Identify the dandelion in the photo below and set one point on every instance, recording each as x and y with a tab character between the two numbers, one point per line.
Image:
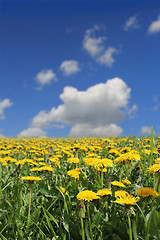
31	178
104	192
121	193
63	190
87	195
74	173
154	168
126	199
73	160
117	184
126	181
146	192
128	157
46	168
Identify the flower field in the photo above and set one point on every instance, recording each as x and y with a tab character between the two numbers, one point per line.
80	188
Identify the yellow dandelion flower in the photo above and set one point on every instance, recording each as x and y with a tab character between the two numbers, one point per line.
127	199
74	173
104	192
73	160
31	178
46	168
154	168
126	181
120	193
34	169
87	195
118	184
63	190
146	192
128	157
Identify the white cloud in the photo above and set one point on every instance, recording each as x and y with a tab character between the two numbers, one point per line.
91	44
97	108
80	130
32	132
155	26
107	57
146	131
45	77
132	22
69	67
6	103
132	111
95	47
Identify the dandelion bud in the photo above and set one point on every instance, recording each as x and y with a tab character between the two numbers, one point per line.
82	210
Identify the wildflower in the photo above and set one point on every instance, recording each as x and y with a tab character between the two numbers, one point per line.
73	160
31	178
74	173
128	157
120	193
126	199
46	168
104	192
126	181
146	192
118	184
154	168
99	164
63	190
87	195
34	169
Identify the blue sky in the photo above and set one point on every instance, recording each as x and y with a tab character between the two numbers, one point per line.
79	68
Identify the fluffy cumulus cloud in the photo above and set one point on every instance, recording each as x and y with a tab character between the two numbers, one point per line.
131	23
6	103
80	130
32	132
45	77
155	26
107	57
96	111
95	47
146	131
69	67
91	44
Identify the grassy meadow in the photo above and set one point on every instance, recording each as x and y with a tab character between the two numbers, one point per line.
80	188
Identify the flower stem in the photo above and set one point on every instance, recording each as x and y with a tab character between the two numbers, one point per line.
130	228
102	178
29	207
157	183
89	219
82	227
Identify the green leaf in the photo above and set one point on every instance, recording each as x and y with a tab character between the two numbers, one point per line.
66	226
154	229
48	222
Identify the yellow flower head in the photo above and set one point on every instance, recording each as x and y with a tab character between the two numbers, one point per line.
74	173
104	192
146	192
126	199
63	190
120	193
87	195
31	178
126	181
154	168
73	160
46	168
118	184
128	157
